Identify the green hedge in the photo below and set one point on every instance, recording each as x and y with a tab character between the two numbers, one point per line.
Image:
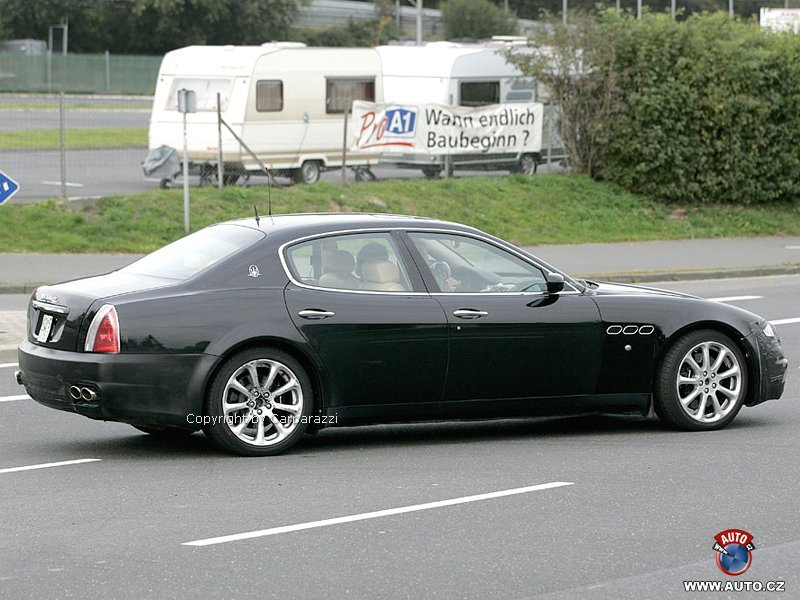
711	109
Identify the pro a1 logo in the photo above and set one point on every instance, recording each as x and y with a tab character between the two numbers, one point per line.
734	549
401	121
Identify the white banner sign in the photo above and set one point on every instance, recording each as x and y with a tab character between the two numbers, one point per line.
781	19
439	129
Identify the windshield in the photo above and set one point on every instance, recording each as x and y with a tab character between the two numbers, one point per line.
188	256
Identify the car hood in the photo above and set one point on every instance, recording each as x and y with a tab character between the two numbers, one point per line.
620	289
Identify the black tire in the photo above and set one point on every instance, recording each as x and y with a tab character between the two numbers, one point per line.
165	433
221	431
309	172
698	411
527	165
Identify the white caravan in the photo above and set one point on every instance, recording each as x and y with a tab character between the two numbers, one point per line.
459	75
285	101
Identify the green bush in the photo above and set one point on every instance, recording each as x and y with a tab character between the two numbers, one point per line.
711	110
701	110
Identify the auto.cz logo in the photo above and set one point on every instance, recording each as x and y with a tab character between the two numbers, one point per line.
734	549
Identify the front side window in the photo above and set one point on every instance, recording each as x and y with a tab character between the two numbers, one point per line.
340	93
269	96
480	93
206	91
462	264
353	262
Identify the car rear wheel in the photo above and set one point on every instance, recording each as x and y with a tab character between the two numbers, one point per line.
258	403
702	382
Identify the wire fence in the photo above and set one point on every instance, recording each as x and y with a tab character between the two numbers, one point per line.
78	73
87	146
83	146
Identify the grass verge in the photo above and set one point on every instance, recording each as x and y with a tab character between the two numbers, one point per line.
548	209
42	139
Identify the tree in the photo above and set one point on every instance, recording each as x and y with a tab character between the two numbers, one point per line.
576	64
150	26
475	19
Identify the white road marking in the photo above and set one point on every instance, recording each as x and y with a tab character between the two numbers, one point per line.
8	365
792	247
785	321
376	514
63	463
14	398
734	298
68	184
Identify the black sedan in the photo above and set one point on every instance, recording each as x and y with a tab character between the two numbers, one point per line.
257	332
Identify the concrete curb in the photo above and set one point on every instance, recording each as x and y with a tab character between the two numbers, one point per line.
623	277
650	276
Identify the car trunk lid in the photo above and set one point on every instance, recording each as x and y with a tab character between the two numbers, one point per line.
57	313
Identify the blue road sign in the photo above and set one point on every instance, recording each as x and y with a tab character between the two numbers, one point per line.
8	187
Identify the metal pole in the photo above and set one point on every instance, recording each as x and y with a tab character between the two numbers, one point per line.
397	13
220	169
344	150
63	110
49	58
419	22
619	5
564	11
638	9
730	8
63	143
185	177
108	71
673	8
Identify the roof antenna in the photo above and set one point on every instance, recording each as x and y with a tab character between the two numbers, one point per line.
258	219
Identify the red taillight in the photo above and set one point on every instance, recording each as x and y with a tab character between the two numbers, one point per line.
103	335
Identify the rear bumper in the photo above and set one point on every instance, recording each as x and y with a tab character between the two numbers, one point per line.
145	389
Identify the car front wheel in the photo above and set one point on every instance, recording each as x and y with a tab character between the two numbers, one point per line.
702	382
258	403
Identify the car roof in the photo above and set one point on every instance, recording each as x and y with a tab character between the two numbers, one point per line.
296	225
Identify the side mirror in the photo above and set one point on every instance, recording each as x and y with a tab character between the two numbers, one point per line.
555	282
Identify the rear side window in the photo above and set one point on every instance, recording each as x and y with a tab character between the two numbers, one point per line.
351	262
269	96
340	92
194	253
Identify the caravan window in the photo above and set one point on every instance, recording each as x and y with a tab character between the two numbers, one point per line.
206	90
269	96
480	93
341	92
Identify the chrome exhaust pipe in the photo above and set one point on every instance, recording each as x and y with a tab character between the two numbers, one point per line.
18	377
74	392
88	395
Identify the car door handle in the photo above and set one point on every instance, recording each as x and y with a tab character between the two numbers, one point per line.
316	313
469	313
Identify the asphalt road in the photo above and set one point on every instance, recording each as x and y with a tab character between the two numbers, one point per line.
26	120
107	172
637	520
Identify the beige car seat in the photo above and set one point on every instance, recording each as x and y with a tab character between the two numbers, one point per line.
337	270
381	276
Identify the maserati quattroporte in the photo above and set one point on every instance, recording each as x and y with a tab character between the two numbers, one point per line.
258	331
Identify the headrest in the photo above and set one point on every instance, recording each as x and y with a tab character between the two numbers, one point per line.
338	261
380	271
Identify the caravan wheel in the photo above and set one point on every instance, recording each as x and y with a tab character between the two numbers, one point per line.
309	172
527	165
